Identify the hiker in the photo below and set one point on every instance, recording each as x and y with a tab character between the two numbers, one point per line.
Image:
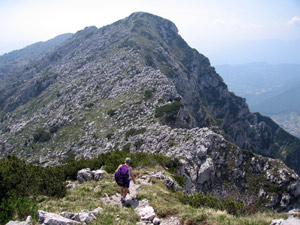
122	177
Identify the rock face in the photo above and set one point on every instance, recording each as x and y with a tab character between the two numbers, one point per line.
212	164
136	85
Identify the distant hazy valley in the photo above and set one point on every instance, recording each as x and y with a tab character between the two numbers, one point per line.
273	90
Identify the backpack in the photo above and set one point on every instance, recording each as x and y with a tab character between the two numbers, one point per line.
122	175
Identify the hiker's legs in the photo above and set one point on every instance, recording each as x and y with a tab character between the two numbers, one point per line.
126	188
125	192
122	191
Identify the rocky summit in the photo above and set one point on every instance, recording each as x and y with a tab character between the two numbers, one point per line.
136	85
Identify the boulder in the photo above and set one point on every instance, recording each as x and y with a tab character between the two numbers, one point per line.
146	213
98	174
288	221
54	219
84	216
84	175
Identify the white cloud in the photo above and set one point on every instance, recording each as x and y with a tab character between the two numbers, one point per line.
295	21
218	22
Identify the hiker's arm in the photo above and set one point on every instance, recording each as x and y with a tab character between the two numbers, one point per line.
132	175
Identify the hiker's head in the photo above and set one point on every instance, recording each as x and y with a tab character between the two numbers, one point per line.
127	160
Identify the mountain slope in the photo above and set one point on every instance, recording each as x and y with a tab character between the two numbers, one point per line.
16	59
136	85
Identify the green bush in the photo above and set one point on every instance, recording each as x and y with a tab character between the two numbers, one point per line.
134	132
111	112
138	143
109	136
41	135
88	105
19	180
126	147
54	129
180	180
200	200
169	109
148	94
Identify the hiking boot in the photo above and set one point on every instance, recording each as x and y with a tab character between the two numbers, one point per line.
123	200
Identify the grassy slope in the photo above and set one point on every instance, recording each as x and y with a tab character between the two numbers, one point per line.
164	202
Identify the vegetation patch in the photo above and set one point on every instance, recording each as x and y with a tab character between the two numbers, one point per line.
172	108
41	135
148	94
54	129
88	105
109	136
111	112
134	132
138	143
168	113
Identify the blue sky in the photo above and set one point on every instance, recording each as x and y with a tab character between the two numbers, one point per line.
204	24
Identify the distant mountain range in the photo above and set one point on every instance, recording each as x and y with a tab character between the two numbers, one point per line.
272	90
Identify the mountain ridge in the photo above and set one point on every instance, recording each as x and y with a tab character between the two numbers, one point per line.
136	85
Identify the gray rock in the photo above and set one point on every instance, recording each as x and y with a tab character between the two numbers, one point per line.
54	219
84	216
98	174
71	186
146	213
285	200
295	189
170	221
288	221
97	210
206	171
84	175
156	221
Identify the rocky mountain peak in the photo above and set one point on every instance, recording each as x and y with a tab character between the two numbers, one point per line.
136	85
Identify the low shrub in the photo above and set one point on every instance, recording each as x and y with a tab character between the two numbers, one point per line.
109	136
111	112
88	105
138	143
41	135
19	180
148	94
200	200
169	110
134	132
54	129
